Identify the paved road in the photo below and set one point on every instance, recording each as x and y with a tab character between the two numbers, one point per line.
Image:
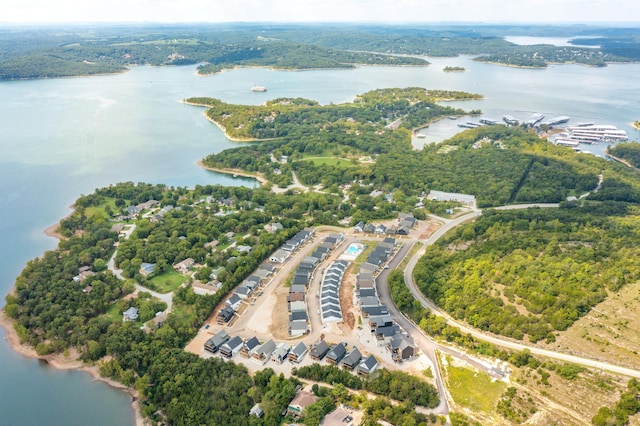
426	345
111	265
417	294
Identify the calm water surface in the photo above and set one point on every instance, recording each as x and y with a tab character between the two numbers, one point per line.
65	137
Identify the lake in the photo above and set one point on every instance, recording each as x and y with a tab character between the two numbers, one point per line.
64	137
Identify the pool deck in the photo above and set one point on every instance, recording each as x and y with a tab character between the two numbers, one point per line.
352	252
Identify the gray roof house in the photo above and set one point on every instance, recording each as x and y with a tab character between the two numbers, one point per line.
257	411
319	351
249	347
213	344
234	302
402	347
298	352
352	359
367	366
264	351
337	352
130	314
231	347
281	352
297	328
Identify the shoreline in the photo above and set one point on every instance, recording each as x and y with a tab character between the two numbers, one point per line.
52	230
261	179
220	126
58	362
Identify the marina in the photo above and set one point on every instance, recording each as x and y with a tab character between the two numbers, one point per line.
591	134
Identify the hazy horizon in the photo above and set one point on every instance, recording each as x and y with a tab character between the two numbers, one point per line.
411	12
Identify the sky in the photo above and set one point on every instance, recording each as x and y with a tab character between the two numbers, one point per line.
380	11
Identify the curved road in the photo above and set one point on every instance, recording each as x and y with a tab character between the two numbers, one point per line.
426	345
417	294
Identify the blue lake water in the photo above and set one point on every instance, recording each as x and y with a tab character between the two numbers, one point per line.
61	138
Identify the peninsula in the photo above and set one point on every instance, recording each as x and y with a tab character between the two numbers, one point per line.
157	288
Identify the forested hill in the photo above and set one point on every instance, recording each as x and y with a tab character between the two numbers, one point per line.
369	141
40	52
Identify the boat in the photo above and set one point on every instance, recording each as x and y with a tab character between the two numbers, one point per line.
257	88
421	136
594	133
534	119
488	121
452	117
557	120
510	119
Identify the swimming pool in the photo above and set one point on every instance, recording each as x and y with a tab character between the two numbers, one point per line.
354	250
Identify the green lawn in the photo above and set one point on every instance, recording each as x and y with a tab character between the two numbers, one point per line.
329	161
184	313
168	281
114	313
101	209
473	389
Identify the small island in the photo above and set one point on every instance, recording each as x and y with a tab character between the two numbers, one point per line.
453	69
636	124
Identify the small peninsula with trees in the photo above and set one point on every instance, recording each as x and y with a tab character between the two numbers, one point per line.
143	271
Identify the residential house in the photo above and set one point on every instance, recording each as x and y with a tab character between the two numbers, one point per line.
297	328
300	402
298	316
234	302
297	353
184	266
243	292
402	348
319	351
385	334
352	359
280	353
280	256
372	311
213	343
379	321
366	292
244	249
300	279
225	315
337	352
380	229
264	351
249	347
297	306
147	269
130	314
231	347
295	297
257	411
211	245
369	301
367	366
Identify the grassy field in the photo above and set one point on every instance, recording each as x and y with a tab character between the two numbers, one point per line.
183	313
114	313
168	281
101	209
473	389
